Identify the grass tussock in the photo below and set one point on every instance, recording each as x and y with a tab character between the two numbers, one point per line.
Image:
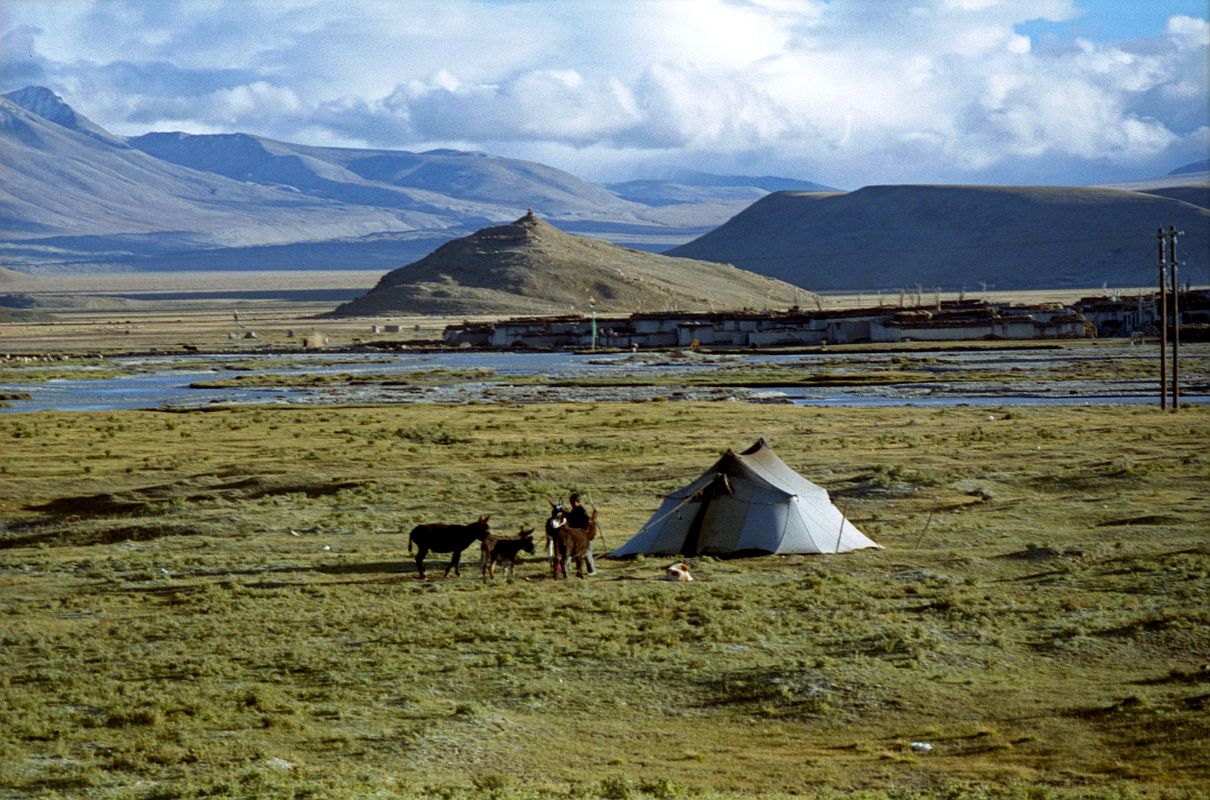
236	587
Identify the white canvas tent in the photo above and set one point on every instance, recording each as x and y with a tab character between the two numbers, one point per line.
747	503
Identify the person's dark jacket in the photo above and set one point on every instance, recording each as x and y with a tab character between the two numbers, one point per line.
577	517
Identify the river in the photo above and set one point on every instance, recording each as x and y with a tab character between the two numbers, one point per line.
165	381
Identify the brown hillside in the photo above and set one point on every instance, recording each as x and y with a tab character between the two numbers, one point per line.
530	266
1007	237
9	277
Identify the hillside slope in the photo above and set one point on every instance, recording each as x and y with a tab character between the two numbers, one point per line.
889	237
530	266
468	185
74	191
1189	184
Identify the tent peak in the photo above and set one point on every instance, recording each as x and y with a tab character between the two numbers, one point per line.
759	445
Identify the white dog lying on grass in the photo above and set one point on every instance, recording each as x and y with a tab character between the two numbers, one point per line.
678	572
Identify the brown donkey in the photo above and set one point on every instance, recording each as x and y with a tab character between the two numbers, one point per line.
504	550
442	538
574	543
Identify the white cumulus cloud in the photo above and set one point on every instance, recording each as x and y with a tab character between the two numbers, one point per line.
846	91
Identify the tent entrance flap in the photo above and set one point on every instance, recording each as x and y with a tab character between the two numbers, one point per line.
719	486
689	547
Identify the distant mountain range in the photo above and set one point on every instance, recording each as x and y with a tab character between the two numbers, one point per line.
1194	168
891	237
530	266
1190	183
473	187
75	197
686	186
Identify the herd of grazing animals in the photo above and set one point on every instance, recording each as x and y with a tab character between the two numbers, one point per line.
564	544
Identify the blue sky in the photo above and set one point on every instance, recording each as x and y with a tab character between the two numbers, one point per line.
843	92
1117	20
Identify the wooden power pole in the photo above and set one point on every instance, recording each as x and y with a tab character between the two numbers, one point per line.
1163	304
1176	320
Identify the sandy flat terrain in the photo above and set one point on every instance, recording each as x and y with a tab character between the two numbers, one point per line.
316	280
192	281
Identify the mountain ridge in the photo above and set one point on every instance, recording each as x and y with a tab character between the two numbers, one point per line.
689	186
119	194
1196	166
44	103
890	237
76	197
394	178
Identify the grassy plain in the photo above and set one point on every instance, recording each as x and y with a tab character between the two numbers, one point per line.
218	604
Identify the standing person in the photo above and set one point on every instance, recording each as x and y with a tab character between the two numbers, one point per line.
577	517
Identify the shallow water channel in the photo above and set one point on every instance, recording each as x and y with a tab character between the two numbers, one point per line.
165	381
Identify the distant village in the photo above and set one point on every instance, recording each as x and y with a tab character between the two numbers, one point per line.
944	321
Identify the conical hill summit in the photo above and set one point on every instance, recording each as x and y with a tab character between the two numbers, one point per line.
530	266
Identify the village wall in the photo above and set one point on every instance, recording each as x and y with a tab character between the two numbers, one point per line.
948	322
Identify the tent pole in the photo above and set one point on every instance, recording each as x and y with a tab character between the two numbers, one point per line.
600	528
924	530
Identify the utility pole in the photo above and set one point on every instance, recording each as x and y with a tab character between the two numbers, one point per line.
1163	303
1176	320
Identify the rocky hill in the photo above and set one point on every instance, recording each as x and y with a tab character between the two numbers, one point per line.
530	266
891	237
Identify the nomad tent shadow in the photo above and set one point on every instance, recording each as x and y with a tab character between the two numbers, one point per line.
749	503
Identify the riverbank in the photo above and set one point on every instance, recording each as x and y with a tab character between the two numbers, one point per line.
1102	373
